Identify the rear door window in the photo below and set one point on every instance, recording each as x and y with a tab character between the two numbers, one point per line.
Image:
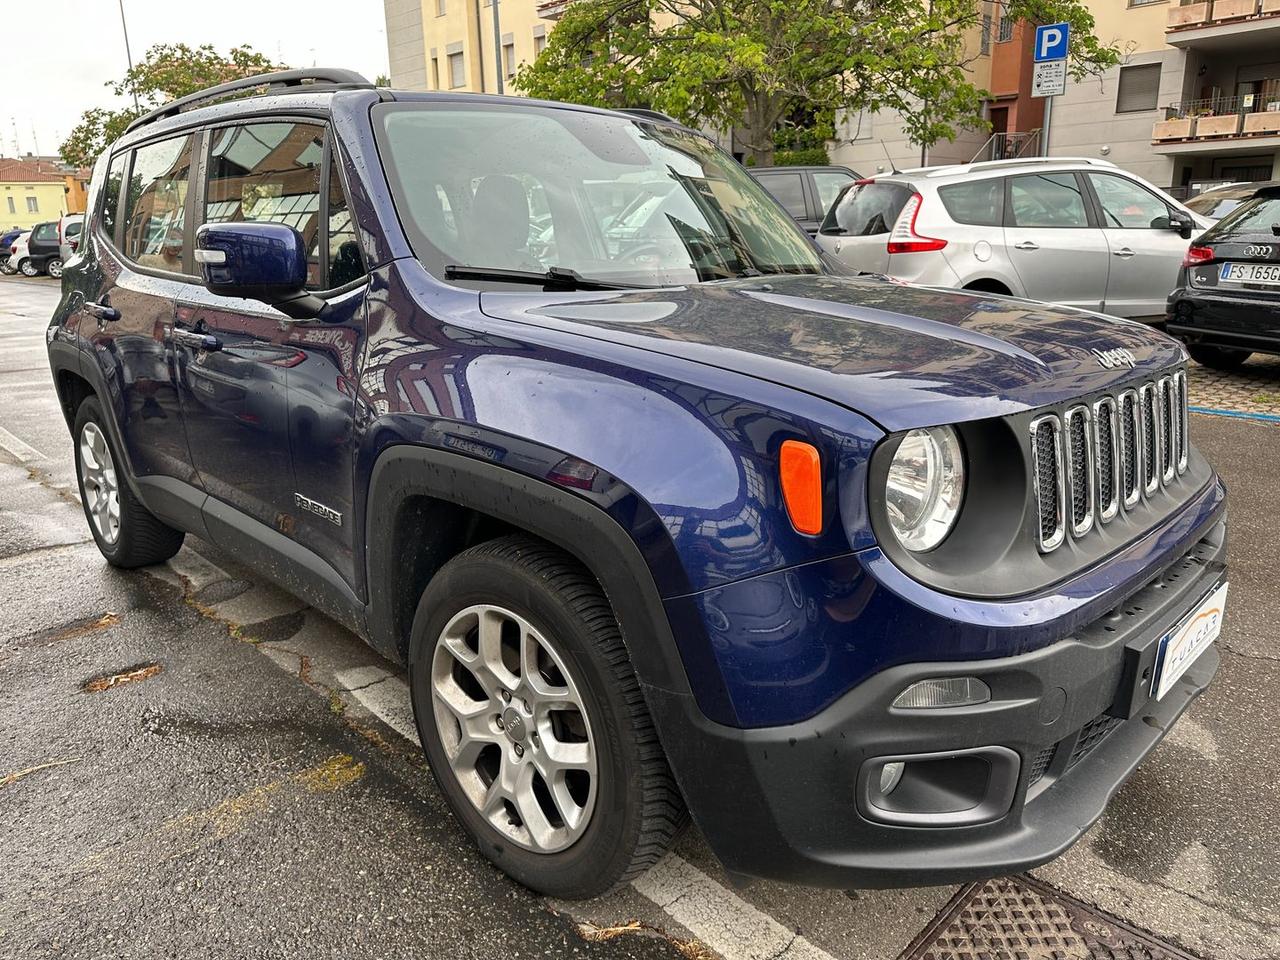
45	232
269	172
978	202
156	204
111	193
867	209
788	190
1046	200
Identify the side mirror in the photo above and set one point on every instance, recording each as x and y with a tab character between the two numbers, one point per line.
258	261
1181	223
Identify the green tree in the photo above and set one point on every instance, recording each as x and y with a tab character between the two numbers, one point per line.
749	64
166	72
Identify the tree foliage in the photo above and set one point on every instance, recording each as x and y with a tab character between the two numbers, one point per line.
751	64
166	72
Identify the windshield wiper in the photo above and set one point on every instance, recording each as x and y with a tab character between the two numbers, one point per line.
555	278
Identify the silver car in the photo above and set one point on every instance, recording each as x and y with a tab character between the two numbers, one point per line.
1078	232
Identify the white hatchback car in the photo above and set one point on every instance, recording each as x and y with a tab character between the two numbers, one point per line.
1079	232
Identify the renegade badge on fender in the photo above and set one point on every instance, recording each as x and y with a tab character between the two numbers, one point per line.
883	585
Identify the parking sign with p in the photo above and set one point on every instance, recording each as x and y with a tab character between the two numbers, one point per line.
1051	41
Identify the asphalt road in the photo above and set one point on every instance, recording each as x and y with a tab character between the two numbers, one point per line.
193	763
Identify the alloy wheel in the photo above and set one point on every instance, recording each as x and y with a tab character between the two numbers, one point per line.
55	268
28	269
98	482
514	728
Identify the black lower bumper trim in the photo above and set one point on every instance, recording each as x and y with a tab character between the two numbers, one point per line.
780	802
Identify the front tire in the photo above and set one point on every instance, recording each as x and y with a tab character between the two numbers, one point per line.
533	721
54	268
1219	358
127	534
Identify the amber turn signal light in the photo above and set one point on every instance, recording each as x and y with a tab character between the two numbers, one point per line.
800	470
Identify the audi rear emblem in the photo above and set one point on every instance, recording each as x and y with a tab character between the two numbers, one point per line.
1258	250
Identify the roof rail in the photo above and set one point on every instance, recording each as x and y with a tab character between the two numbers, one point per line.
952	169
647	114
311	79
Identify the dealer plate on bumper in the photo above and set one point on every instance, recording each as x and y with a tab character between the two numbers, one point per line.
1180	647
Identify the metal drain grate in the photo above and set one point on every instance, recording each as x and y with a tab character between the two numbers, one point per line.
1017	918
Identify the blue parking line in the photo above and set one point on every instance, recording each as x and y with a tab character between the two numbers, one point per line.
1238	414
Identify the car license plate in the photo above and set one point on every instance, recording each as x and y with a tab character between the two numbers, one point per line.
1250	273
1180	647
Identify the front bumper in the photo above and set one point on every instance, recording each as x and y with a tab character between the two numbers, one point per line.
781	802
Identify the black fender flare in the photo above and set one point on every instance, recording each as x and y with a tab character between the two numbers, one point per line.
573	523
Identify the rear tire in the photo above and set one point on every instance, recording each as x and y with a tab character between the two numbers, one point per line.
1219	358
556	666
127	534
28	268
54	268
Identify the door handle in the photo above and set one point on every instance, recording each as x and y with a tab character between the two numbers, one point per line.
101	311
197	341
1026	245
1124	252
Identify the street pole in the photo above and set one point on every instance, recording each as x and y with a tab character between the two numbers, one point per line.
127	55
1044	132
497	45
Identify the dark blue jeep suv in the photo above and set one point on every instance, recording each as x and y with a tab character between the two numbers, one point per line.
884	585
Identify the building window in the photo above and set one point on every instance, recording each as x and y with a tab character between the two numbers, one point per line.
440	11
33	205
1139	88
509	59
1143	3
435	73
1006	30
985	48
539	44
12	206
457	76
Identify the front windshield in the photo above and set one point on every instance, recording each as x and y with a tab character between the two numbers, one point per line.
515	187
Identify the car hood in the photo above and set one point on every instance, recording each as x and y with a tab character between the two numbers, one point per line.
903	355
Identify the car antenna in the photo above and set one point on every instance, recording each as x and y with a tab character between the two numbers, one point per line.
893	167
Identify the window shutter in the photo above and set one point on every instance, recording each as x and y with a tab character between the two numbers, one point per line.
1139	88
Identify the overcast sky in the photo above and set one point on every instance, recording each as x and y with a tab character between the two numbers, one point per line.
79	46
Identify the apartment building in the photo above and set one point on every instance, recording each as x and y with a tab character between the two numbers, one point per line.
999	55
1195	101
450	44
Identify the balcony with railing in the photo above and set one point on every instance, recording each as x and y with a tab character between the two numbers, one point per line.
1242	121
1217	24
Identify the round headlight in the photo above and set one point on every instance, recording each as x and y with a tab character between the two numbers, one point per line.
924	487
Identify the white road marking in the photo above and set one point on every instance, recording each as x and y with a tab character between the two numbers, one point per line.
24	452
718	917
384	695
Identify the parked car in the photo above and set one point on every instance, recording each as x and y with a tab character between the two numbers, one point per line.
42	254
884	585
17	253
1078	232
806	192
1226	305
7	240
1217	203
69	228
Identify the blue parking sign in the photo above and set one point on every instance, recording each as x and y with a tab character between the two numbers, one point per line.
1051	41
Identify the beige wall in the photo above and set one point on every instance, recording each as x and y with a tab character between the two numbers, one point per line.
465	27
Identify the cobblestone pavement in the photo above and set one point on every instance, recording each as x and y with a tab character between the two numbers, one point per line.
1255	388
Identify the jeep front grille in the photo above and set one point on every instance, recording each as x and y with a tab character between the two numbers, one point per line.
1092	461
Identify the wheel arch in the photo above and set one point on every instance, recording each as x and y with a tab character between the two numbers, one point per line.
990	285
425	505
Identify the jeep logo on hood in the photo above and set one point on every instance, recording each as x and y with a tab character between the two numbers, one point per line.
1117	357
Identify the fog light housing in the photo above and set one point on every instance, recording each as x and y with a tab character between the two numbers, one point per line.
939	692
890	777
